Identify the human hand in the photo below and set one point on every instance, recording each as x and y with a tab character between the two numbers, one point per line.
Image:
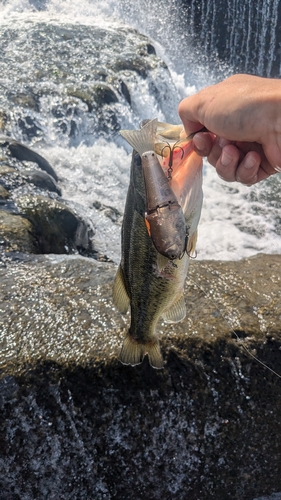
243	115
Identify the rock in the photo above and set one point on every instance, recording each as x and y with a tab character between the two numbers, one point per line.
16	233
6	169
23	153
76	423
111	212
24	99
4	193
29	127
3	120
81	83
55	227
40	179
34	218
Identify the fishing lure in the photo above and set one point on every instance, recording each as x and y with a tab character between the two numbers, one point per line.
164	216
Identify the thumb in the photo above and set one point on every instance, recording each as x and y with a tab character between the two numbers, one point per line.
188	117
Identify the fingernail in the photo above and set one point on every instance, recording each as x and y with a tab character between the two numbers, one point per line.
249	162
226	159
277	168
199	143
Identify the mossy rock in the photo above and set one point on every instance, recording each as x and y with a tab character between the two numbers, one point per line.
56	228
16	233
25	100
95	96
6	169
4	193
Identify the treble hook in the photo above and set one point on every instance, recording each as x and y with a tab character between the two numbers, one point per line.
170	164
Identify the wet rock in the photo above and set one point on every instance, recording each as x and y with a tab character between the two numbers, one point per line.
81	81
30	127
4	193
55	227
3	120
97	95
40	179
23	153
73	419
111	212
34	218
5	169
104	94
24	99
16	233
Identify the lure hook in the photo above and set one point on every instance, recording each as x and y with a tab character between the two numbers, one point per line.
171	152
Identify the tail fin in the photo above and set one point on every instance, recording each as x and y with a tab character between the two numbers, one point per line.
132	352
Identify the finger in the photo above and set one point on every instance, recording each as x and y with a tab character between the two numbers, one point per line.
247	170
203	143
267	166
189	115
228	162
216	150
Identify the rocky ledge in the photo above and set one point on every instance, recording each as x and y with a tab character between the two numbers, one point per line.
34	218
75	423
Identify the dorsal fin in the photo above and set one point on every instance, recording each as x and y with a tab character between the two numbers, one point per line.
142	140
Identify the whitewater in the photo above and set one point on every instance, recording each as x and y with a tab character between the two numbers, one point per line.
237	221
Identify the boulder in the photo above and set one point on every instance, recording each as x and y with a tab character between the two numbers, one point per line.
33	216
23	153
55	227
15	233
82	82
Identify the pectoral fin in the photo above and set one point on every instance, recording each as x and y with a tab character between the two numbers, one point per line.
162	261
177	311
120	297
192	244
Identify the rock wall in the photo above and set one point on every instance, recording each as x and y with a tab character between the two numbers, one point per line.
75	423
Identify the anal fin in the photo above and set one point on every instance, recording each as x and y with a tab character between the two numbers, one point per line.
120	297
133	352
176	312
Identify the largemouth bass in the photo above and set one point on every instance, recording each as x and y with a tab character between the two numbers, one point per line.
151	276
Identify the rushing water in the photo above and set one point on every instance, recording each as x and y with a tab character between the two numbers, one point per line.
90	158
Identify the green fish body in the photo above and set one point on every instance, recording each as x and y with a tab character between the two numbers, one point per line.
147	282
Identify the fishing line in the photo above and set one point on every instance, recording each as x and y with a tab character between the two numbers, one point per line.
240	341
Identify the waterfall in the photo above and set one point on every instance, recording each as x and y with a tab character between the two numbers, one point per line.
244	34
